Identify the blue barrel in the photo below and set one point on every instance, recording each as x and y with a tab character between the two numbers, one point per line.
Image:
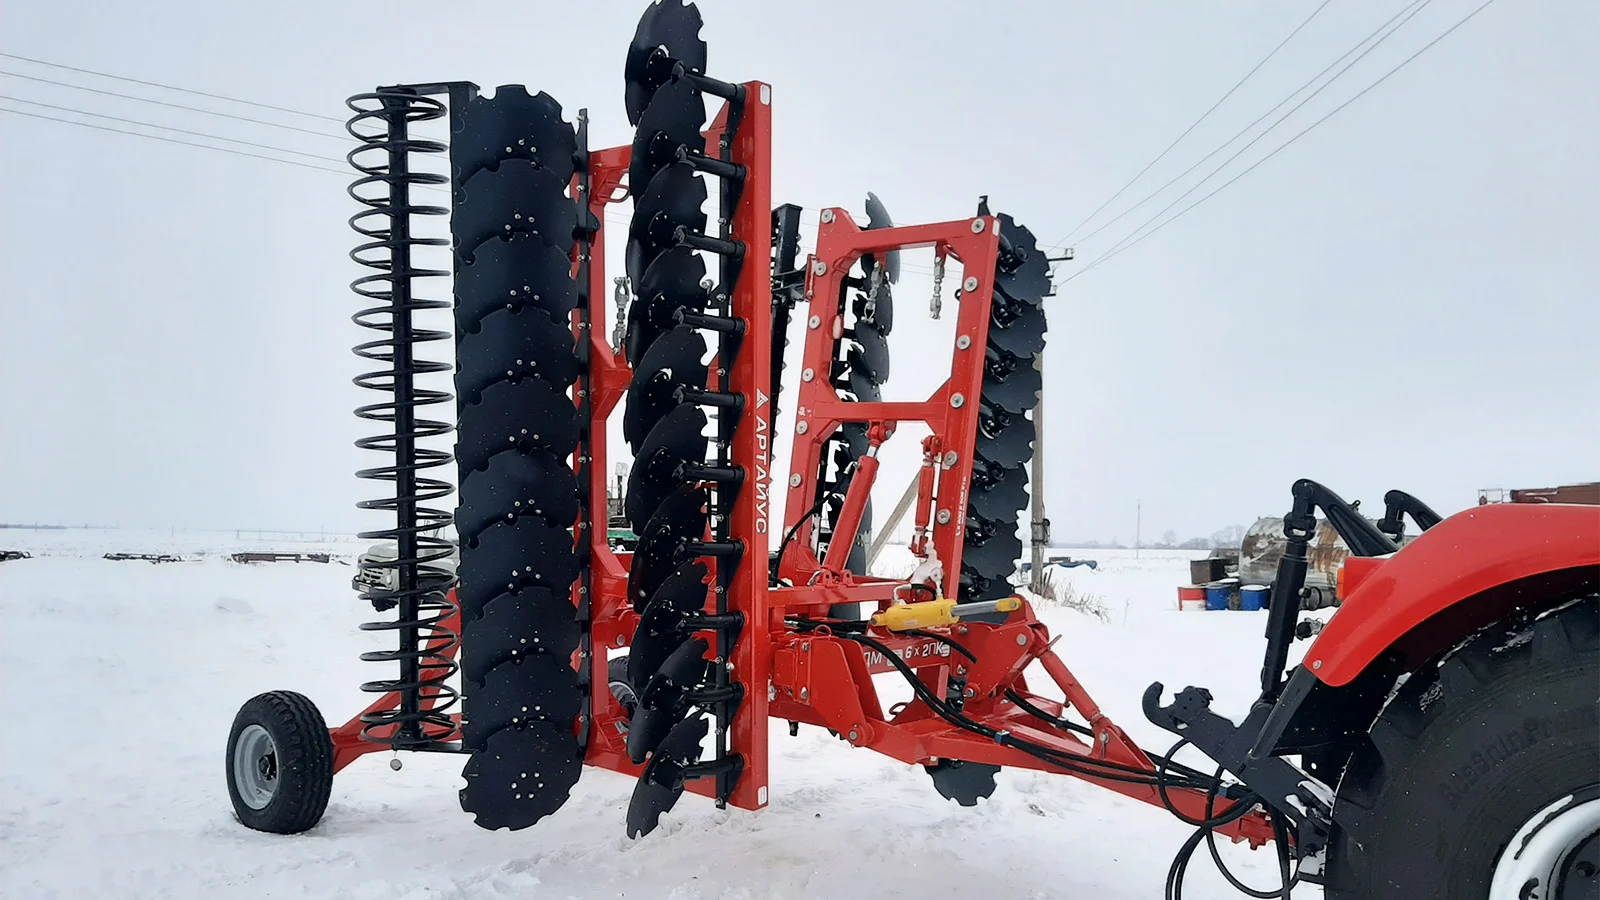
1253	597
1217	593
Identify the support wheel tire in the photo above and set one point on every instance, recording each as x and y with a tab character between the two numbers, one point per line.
1468	757
280	763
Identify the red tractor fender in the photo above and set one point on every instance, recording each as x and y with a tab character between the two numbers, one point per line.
1463	556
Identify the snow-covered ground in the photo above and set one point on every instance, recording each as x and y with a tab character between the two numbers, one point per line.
118	682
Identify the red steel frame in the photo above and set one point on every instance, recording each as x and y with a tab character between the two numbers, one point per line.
815	677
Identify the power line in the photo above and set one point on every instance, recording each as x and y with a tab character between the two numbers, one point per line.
215	137
1413	11
153	137
169	87
1192	126
1407	61
209	112
1408	11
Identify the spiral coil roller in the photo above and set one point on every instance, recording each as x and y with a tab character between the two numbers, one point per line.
679	500
382	122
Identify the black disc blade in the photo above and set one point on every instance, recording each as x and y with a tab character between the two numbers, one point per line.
512	346
512	557
527	414
996	557
663	701
514	485
1007	497
673	119
538	620
878	217
673	198
1007	445
516	694
1026	274
974	587
521	776
681	517
672	282
640	332
513	125
517	198
964	782
672	361
514	274
864	388
668	32
677	438
1018	330
1015	391
870	356
661	784
661	630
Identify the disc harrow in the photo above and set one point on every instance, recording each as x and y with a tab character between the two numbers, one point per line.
736	596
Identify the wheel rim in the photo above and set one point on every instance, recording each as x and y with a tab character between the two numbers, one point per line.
255	767
1556	853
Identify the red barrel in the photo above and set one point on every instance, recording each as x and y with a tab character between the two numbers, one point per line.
1191	598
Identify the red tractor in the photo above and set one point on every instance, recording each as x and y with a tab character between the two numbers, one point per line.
1439	740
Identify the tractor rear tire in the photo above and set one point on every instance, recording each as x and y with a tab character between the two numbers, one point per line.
1467	754
280	763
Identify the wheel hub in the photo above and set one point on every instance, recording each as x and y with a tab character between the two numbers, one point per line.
1555	855
255	766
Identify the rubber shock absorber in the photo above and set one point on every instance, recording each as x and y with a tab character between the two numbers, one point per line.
515	228
1004	446
678	487
860	369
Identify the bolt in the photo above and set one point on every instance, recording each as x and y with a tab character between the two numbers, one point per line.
1317	664
854	735
977	226
944	517
621	640
827	216
1105	737
807	375
956	402
805	648
950	459
802	427
805	693
795	479
961	670
815	321
1022	640
970	285
971	692
963	342
819	268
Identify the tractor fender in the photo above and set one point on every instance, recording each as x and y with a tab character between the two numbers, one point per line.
1462	557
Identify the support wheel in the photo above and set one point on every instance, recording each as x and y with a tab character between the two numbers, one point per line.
280	763
1482	783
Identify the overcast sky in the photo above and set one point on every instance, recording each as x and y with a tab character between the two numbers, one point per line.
1406	297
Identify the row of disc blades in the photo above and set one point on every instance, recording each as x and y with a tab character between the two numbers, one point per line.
667	503
513	229
860	369
1011	383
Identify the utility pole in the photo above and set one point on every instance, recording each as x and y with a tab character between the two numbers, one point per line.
1041	525
1138	520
